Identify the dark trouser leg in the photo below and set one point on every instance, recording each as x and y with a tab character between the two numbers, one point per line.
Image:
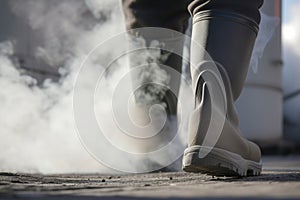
149	13
163	14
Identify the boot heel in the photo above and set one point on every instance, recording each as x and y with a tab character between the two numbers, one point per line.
218	162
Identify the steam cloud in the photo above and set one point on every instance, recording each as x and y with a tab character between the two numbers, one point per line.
37	128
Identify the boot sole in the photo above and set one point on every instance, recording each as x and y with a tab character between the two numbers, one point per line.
219	162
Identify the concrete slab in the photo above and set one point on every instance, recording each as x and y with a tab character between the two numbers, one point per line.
280	179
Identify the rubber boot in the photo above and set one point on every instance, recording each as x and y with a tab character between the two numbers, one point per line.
228	37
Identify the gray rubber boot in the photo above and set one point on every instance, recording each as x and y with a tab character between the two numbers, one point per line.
228	38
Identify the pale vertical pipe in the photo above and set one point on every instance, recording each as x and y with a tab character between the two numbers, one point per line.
260	105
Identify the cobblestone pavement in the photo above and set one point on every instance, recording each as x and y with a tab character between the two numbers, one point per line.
280	179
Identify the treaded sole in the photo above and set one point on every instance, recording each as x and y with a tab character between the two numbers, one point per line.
219	162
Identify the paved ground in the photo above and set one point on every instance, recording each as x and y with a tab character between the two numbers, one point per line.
280	180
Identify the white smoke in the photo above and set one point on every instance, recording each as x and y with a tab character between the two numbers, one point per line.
36	125
37	128
35	135
67	28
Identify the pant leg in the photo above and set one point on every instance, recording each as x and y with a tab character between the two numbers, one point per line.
156	13
171	15
162	14
249	8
